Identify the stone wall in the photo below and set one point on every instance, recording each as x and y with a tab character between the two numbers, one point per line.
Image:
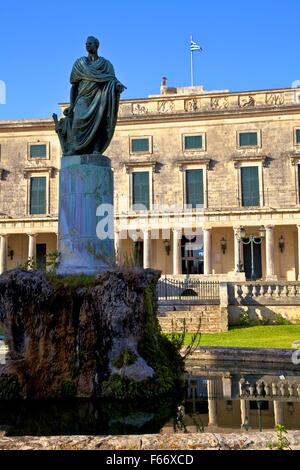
190	441
258	313
192	318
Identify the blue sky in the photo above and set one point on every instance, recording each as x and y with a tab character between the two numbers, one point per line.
247	45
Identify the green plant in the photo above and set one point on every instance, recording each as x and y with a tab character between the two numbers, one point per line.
52	260
282	441
280	320
178	339
30	264
129	260
244	319
67	389
125	358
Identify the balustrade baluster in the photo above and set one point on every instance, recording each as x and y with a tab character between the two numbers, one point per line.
284	291
269	291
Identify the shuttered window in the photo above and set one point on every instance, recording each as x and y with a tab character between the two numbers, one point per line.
194	188
38	151
140	145
38	195
250	186
248	139
140	193
193	142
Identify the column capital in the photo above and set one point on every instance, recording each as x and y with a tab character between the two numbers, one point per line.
32	234
269	227
5	235
177	231
207	228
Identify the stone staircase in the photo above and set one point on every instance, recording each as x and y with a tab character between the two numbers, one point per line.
212	318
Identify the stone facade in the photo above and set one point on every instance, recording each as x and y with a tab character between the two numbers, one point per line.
165	120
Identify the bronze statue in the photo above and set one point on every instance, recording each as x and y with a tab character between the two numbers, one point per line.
90	120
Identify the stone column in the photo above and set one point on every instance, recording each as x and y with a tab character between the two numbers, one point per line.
118	248
3	253
207	250
298	227
177	233
270	270
212	403
245	413
278	412
147	249
32	248
237	249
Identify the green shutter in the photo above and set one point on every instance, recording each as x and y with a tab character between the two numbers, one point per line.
250	186
38	151
38	195
140	145
192	142
140	193
248	139
194	188
298	136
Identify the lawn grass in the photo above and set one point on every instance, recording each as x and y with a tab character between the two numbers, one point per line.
269	336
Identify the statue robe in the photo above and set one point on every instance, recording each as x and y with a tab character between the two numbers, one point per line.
96	105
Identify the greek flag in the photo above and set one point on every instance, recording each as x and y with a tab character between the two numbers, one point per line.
195	46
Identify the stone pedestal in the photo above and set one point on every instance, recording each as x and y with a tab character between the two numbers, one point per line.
85	185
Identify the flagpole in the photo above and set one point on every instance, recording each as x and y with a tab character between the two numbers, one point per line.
192	65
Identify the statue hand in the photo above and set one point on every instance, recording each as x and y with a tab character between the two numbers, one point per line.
68	111
120	87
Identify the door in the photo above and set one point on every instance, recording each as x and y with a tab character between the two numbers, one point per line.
41	255
192	256
255	272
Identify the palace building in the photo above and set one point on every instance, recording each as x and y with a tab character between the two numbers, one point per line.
206	183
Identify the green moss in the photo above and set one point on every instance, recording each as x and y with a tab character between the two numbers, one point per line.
9	387
67	389
125	358
159	353
73	281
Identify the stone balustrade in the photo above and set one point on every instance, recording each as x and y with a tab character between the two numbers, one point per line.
264	293
283	390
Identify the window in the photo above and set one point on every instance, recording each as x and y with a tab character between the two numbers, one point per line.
141	145
38	150
38	195
140	189
298	136
193	142
248	139
250	186
194	188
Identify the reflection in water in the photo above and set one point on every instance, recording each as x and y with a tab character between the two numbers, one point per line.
216	401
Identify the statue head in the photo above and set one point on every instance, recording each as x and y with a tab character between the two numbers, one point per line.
92	44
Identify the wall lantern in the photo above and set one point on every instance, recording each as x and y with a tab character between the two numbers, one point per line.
281	244
10	253
167	246
223	244
242	232
262	232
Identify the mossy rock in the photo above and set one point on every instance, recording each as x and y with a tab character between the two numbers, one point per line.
125	358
